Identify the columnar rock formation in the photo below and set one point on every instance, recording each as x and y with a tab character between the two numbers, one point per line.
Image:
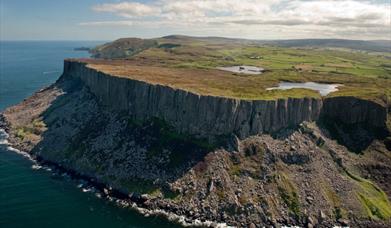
351	110
209	116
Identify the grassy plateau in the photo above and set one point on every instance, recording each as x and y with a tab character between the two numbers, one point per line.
190	63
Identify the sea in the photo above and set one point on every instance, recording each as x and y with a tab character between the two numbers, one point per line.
34	196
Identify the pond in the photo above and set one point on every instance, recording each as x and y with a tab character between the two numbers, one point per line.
243	69
322	88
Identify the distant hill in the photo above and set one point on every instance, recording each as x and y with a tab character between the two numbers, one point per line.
375	45
364	45
126	47
122	48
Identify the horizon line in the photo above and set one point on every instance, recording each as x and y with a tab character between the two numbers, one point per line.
108	40
36	40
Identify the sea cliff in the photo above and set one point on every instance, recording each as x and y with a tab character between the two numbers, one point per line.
352	110
109	130
204	115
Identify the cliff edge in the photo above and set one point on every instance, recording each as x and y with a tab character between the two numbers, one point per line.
206	115
150	143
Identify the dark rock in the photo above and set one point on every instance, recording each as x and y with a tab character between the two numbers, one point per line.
202	115
387	143
295	158
353	110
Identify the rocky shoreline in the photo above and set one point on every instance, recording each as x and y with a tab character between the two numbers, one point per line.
133	201
299	176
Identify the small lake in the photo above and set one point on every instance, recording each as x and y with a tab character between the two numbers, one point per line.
322	88
243	69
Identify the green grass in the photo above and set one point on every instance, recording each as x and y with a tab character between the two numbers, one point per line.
34	128
235	170
373	199
139	186
363	75
375	208
22	132
288	194
335	201
147	187
182	147
353	69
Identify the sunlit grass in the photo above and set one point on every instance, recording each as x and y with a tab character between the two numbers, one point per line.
193	67
374	200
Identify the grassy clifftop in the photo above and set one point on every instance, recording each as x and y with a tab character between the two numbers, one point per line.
190	63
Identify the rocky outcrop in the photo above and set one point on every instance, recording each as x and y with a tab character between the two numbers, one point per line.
301	177
354	122
210	116
352	110
192	113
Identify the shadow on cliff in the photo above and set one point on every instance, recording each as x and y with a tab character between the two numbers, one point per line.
354	122
91	141
355	137
65	118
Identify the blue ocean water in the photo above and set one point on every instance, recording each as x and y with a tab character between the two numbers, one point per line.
35	197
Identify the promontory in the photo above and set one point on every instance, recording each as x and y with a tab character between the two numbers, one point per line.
242	132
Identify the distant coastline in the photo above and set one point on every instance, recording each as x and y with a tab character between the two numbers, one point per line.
82	49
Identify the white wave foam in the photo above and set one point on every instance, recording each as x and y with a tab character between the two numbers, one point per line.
25	154
123	203
99	195
170	216
86	189
3	137
36	166
4	141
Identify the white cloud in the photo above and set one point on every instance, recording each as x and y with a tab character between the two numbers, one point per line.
259	18
107	23
127	9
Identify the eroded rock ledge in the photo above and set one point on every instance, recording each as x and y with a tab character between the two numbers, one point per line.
210	116
296	177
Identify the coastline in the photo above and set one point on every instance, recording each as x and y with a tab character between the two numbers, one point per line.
45	125
88	184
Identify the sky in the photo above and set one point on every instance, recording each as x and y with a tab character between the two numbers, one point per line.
252	19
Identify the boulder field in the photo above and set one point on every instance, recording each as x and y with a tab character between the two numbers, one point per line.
246	163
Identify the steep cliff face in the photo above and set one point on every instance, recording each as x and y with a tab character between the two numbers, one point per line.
354	122
82	124
193	113
209	116
352	110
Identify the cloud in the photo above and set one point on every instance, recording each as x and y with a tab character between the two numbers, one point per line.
127	9
344	18
107	23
